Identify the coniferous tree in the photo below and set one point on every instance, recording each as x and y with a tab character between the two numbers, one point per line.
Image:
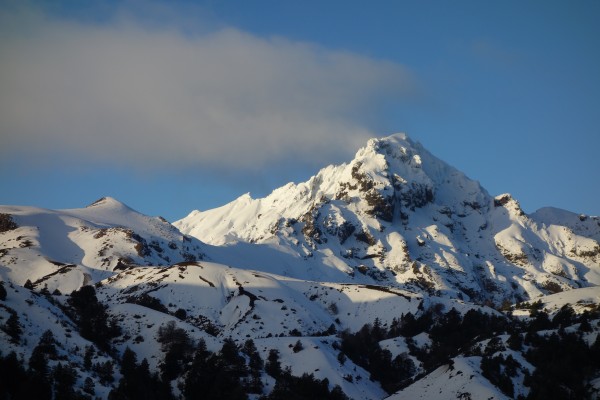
595	352
89	387
177	345
231	359
15	382
515	341
92	318
377	331
87	357
564	317
408	325
128	362
12	328
137	382
64	377
305	387
491	368
126	389
216	376
337	394
105	372
45	349
584	323
273	366
38	374
540	321
298	347
255	365
198	375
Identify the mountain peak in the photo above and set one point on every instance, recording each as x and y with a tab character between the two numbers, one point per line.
108	202
387	180
507	201
405	173
395	138
398	145
398	155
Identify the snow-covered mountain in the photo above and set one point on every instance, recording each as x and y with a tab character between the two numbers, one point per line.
401	216
392	275
65	249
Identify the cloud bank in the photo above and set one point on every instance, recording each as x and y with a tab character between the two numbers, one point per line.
137	94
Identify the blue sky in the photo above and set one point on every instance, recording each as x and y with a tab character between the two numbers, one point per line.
175	106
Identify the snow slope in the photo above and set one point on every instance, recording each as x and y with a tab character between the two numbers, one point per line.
65	249
242	303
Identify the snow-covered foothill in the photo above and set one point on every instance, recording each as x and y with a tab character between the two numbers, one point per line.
65	249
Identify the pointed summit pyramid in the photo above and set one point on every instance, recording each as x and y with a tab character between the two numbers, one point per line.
387	180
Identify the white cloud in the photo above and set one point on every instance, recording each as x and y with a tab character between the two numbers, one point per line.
152	95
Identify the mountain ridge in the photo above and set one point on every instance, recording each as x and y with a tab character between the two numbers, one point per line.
391	275
396	208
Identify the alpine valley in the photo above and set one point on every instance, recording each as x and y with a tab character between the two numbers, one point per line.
392	276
